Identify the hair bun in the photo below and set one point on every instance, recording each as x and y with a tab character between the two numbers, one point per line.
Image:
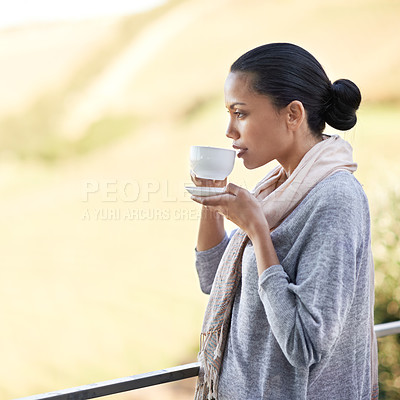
345	100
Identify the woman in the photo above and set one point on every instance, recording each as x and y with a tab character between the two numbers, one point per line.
290	314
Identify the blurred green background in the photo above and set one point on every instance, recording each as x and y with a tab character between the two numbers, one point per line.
97	276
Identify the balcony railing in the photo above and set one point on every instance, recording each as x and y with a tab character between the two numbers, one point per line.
155	378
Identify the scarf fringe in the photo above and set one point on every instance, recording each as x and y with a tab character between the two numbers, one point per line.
207	382
208	389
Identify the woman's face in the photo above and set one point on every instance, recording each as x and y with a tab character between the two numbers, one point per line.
259	132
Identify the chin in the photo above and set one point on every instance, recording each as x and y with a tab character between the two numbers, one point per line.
250	166
253	165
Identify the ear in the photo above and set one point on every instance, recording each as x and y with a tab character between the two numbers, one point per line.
295	114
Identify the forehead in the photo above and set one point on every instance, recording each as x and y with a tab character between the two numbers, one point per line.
238	89
238	82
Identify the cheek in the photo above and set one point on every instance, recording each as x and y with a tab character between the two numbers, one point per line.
268	143
262	135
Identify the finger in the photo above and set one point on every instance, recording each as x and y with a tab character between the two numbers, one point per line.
220	182
200	200
231	188
197	199
200	181
195	179
217	200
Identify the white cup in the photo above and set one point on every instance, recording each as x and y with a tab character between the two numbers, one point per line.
211	162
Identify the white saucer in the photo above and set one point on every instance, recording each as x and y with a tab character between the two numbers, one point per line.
204	191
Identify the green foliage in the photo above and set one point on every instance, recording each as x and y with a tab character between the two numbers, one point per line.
105	131
33	136
201	106
386	248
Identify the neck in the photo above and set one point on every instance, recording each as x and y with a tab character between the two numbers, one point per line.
300	145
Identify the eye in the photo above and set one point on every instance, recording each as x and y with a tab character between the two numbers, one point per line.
239	114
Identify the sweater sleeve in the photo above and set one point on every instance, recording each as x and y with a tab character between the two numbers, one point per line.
307	313
207	262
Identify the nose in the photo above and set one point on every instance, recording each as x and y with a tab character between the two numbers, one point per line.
231	131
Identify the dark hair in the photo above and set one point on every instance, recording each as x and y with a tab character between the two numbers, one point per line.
285	72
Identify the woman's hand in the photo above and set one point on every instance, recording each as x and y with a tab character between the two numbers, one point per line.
207	182
242	208
239	206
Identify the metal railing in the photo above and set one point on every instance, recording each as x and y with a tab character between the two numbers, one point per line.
155	378
121	384
387	329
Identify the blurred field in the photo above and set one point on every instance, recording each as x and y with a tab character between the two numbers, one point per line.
96	121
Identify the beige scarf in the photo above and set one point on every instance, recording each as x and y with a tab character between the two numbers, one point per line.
279	195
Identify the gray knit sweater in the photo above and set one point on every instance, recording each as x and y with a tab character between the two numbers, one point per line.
302	329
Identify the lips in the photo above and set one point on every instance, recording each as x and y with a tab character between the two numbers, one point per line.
239	150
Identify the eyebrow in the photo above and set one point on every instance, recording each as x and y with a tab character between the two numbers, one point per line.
232	106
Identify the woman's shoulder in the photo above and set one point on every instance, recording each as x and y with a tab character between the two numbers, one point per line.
341	183
336	204
341	190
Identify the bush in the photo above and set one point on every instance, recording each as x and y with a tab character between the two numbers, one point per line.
386	250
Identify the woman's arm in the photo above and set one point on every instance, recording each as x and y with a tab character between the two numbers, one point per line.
264	249
308	310
211	239
207	262
211	229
